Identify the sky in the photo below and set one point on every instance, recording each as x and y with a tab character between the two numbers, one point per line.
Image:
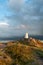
20	16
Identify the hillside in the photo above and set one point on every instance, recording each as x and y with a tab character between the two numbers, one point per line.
23	52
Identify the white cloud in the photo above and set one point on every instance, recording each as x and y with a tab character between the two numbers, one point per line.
4	24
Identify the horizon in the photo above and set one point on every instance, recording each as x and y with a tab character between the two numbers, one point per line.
2	39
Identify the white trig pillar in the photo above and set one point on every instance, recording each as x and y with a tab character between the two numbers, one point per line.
26	36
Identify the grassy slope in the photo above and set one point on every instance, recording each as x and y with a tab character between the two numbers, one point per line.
23	54
5	59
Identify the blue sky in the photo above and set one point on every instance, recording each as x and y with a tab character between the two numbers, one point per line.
20	16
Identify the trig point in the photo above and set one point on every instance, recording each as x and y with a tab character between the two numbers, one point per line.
26	36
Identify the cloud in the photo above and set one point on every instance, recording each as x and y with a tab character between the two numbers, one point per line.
31	10
4	24
27	12
16	4
22	27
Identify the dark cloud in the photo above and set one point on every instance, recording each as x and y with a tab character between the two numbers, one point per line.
27	12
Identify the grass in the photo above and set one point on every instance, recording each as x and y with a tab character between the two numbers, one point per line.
39	53
23	53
